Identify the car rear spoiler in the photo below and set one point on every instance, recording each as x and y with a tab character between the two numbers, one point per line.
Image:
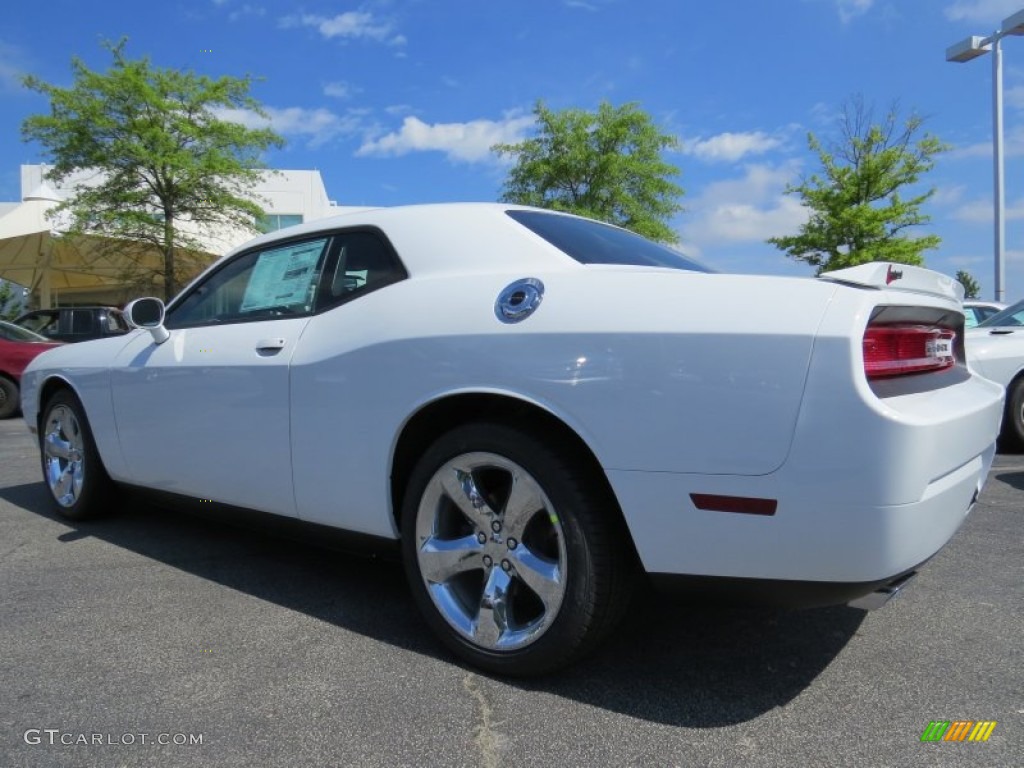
903	277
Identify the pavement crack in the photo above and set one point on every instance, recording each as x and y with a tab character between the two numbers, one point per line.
487	739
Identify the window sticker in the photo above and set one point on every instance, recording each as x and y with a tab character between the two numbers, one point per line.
282	278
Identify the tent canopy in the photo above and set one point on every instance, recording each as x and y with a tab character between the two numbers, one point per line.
34	254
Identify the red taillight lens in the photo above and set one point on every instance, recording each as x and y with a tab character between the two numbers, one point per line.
895	350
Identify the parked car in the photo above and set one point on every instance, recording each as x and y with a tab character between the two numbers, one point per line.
539	409
995	349
75	323
977	311
18	347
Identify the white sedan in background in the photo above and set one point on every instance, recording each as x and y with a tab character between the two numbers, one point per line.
977	311
995	349
540	409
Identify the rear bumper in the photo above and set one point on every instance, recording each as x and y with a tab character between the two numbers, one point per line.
807	539
872	487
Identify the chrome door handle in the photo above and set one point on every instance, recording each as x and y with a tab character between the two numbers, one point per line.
270	345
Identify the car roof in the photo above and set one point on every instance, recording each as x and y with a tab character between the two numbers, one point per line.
444	237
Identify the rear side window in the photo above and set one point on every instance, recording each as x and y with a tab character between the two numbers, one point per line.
363	261
116	322
590	242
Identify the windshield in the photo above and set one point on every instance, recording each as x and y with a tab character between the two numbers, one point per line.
13	332
590	242
1012	315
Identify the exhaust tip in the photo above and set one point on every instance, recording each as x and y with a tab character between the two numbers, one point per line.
875	600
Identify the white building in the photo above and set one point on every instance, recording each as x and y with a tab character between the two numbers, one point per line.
288	197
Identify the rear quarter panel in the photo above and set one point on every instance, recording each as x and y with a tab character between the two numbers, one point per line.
656	370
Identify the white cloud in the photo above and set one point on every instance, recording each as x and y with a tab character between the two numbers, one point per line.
339	89
964	262
948	195
981	211
469	142
317	125
850	9
730	147
11	70
825	114
351	25
750	208
247	10
1014	97
981	11
1013	146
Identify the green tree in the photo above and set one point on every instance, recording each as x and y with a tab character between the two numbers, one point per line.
858	212
10	306
606	164
164	154
971	288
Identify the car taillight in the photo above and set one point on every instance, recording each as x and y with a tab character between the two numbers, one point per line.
895	350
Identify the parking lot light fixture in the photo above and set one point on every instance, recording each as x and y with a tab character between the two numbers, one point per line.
966	50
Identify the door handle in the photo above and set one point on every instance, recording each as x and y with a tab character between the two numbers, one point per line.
270	345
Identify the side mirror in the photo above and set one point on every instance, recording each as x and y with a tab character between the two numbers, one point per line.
148	313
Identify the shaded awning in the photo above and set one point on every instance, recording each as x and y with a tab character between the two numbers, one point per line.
34	253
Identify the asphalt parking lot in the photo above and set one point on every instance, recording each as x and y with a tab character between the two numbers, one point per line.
173	640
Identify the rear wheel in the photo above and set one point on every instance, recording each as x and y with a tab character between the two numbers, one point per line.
515	559
1013	421
78	483
8	398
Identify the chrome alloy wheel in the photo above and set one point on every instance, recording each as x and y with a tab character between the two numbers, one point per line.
63	452
491	551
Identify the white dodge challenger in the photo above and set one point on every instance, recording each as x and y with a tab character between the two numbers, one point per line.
544	411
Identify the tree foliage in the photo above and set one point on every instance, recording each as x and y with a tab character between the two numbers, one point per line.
606	164
10	304
162	153
858	208
971	288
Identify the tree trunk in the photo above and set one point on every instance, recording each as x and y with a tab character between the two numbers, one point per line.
170	287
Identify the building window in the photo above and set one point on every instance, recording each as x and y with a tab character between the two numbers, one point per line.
271	222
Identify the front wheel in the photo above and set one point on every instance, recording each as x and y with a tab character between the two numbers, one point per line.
513	555
78	483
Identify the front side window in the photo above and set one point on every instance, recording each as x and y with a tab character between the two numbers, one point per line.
1013	315
41	322
277	282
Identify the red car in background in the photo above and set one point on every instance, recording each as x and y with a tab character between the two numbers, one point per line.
18	347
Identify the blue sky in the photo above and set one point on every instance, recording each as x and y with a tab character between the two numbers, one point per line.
398	101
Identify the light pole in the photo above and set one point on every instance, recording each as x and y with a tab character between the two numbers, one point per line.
971	48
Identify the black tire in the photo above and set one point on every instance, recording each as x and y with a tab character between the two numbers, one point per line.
9	398
1013	418
577	535
78	484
